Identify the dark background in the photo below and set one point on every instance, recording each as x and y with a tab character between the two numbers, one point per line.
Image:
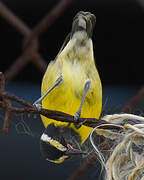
118	37
118	48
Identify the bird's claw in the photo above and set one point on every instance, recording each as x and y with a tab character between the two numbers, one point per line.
38	106
76	117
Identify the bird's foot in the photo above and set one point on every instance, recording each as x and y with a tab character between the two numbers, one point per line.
38	106
76	117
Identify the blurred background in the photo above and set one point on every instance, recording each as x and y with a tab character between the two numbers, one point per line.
118	49
117	37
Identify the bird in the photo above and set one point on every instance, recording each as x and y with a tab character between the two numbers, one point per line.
71	84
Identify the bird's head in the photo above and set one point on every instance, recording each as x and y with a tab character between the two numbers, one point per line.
84	21
59	143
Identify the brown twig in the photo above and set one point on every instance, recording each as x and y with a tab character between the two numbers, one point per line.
7	116
16	99
2	82
56	115
16	67
84	167
13	20
30	41
134	101
27	56
49	19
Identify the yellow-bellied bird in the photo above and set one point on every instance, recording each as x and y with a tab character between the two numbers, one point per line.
71	84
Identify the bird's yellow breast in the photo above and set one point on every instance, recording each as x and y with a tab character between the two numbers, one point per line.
76	68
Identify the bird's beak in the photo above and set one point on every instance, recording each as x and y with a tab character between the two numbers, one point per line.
72	151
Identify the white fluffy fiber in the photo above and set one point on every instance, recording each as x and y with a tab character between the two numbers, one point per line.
125	160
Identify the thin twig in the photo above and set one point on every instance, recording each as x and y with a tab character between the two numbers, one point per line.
84	167
23	59
16	99
2	82
56	115
30	53
16	67
13	20
7	116
49	19
134	101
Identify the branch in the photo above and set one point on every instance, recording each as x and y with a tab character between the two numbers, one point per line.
134	101
49	19
84	167
30	108
13	20
56	115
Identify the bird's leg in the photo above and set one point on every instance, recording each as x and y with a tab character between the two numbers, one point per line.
37	103
78	113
